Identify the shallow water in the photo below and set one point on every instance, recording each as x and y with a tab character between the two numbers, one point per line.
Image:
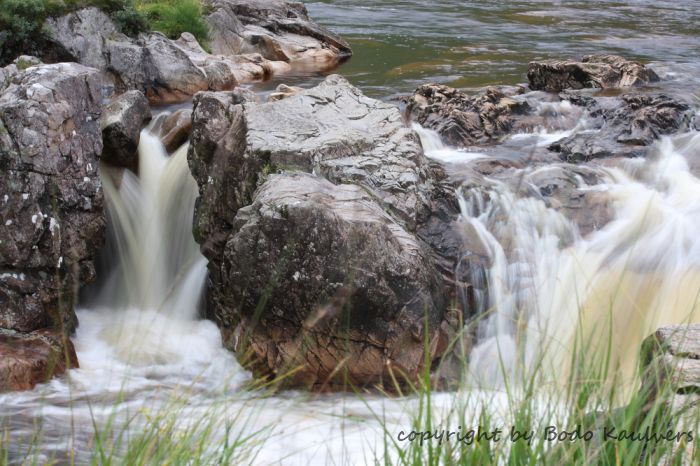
136	355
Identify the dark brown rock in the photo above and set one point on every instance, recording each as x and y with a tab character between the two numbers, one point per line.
593	71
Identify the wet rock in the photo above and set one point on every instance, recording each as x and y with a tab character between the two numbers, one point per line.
27	359
51	206
366	177
121	122
463	119
283	91
671	381
174	129
278	30
348	292
624	126
593	71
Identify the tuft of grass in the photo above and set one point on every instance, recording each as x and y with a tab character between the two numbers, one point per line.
173	17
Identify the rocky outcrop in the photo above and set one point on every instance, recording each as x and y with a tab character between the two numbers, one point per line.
463	119
121	122
276	29
305	252
174	128
51	209
593	71
27	359
347	287
624	126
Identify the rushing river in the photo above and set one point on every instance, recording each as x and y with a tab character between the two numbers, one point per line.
143	350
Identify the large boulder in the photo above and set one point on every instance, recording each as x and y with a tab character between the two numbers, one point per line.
121	122
278	30
27	359
347	288
51	208
338	240
593	71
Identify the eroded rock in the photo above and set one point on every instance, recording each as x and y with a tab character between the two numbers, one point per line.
51	206
593	71
346	287
121	122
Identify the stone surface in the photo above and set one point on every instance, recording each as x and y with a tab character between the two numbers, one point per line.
358	156
27	359
283	91
347	287
463	119
121	122
625	126
173	128
593	71
276	29
51	205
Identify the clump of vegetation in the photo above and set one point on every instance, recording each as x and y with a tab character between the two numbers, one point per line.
173	17
22	21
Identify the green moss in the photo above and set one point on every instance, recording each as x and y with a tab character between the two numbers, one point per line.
173	17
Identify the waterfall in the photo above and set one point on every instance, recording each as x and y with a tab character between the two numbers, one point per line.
554	293
156	272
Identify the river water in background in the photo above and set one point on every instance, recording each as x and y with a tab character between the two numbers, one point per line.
140	343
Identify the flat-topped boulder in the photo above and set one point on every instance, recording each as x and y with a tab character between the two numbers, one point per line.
592	71
121	122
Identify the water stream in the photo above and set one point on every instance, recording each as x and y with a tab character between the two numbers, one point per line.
141	342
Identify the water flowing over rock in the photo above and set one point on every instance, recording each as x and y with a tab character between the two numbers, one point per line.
51	210
174	128
625	126
462	119
367	189
597	71
277	29
122	121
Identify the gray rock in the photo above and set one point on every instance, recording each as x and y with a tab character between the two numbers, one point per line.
341	280
276	29
121	122
51	206
358	156
626	125
283	91
596	71
152	64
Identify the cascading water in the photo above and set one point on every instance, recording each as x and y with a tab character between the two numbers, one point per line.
552	292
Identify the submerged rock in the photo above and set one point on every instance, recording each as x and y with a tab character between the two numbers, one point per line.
121	122
276	29
51	207
593	71
27	359
334	243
